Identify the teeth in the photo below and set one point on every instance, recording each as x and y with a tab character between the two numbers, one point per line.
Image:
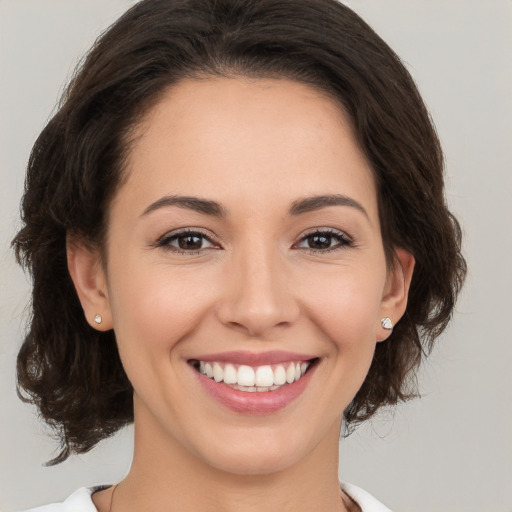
280	375
230	374
297	371
218	373
245	376
290	374
257	379
208	370
264	376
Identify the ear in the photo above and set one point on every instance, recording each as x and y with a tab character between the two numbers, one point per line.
90	282
396	291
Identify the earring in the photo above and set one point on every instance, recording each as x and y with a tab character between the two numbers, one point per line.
387	323
98	319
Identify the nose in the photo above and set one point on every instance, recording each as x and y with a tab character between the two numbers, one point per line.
258	296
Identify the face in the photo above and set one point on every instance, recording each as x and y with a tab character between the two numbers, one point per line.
245	277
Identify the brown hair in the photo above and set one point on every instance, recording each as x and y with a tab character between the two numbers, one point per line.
72	372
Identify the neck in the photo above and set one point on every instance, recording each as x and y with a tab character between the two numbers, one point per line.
164	472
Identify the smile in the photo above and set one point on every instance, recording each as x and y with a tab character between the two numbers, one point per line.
254	383
253	378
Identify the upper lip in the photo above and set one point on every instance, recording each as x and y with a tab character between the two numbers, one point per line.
255	358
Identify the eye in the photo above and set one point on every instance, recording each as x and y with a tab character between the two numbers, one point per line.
186	242
324	240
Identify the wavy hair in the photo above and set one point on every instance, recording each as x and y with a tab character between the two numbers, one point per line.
72	372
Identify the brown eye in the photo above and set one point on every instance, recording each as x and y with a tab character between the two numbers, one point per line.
186	242
190	242
319	241
324	241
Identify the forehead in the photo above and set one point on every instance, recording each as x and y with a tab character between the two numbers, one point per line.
243	139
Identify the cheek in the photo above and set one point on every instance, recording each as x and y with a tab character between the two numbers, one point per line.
346	304
153	311
348	322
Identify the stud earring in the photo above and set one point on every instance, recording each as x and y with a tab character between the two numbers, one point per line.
387	323
98	319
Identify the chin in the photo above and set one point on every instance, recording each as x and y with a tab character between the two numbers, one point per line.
265	462
258	452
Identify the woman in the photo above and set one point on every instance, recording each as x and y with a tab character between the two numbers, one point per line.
238	237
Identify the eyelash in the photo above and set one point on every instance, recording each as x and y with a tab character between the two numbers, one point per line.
343	241
165	241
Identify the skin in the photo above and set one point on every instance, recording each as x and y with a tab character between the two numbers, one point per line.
255	147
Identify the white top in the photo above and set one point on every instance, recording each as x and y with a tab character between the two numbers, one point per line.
80	501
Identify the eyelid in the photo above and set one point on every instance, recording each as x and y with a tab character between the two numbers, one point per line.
163	241
324	229
345	239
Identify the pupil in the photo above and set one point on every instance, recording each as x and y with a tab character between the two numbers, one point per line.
190	242
320	242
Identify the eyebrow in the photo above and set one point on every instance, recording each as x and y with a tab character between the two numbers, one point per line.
192	203
310	204
215	209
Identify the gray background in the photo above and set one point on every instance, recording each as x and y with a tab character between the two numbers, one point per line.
451	451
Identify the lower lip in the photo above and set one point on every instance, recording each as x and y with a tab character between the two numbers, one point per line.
257	402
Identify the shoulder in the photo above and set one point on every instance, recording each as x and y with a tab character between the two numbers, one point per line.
365	500
79	501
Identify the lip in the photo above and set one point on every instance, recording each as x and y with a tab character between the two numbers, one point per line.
255	358
257	403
